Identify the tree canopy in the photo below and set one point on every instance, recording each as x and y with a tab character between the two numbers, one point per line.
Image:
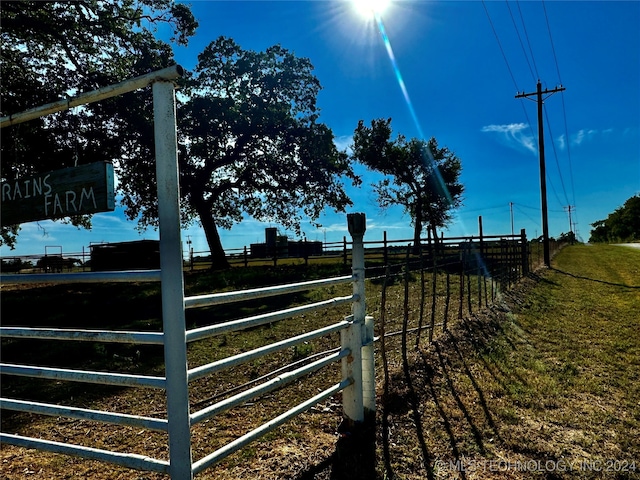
251	143
50	50
420	176
621	225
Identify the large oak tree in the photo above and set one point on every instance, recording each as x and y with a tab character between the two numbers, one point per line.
50	50
420	176
251	143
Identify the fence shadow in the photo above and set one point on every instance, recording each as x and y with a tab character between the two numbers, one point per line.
413	399
354	457
604	282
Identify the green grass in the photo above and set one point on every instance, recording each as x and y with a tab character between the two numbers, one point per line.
556	377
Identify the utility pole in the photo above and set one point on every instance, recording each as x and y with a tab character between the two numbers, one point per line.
569	207
189	243
511	209
543	175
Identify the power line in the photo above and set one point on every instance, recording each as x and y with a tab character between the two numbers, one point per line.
500	45
555	154
568	145
553	49
553	189
527	37
504	56
526	57
539	101
537	209
484	209
536	222
564	110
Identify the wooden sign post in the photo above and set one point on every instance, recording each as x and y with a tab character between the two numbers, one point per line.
61	193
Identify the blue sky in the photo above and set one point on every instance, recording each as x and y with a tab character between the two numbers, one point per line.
458	88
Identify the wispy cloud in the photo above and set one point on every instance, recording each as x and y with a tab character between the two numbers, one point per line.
583	135
515	135
343	142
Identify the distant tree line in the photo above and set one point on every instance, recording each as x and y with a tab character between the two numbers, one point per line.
622	225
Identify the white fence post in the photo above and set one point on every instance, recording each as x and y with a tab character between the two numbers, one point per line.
173	318
352	399
368	369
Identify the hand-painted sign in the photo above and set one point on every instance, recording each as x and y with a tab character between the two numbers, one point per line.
58	194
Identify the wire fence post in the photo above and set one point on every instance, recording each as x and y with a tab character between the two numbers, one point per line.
524	252
385	249
173	318
344	250
351	338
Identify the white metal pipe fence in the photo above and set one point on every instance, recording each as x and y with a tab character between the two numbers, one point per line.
355	353
264	292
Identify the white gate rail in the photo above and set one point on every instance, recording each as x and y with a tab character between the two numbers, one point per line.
130	460
204	370
210	331
264	292
159	424
86	277
355	352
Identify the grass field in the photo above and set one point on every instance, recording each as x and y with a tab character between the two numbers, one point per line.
548	381
546	385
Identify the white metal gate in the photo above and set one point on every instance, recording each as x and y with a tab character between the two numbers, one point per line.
355	353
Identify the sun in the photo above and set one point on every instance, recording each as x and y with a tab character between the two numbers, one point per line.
369	9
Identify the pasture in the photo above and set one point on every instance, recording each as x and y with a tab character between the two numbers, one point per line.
549	372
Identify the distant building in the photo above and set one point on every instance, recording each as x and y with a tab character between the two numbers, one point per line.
282	247
136	255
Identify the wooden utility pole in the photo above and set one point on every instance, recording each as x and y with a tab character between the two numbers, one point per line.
543	176
511	211
569	208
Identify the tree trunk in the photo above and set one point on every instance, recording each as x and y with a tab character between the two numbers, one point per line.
218	258
436	240
417	230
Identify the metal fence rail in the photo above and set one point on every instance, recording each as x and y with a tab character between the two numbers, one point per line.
350	353
65	374
85	277
159	424
228	362
139	338
264	292
236	445
265	387
257	320
130	460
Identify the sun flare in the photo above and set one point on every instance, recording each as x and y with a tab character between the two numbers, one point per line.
369	9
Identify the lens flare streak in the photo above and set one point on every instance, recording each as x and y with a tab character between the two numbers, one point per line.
407	99
428	155
396	69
